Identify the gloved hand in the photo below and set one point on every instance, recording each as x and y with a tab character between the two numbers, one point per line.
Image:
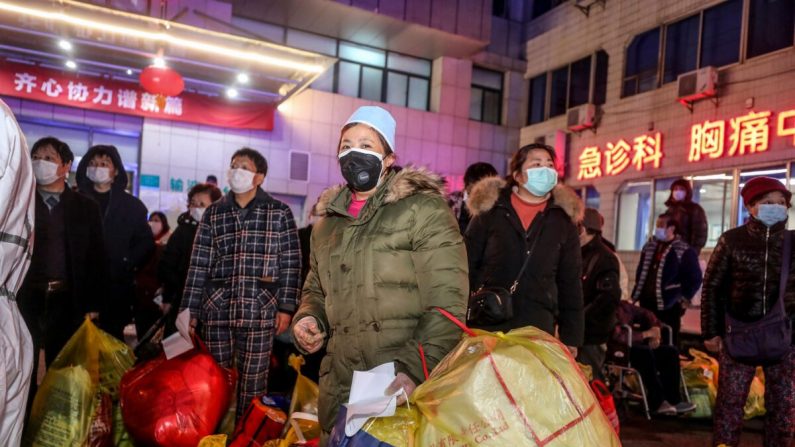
401	381
308	335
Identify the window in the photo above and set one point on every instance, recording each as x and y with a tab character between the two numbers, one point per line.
579	91
538	99
681	48
570	86
720	37
714	194
640	71
634	207
486	100
770	26
542	6
600	78
590	196
716	31
557	98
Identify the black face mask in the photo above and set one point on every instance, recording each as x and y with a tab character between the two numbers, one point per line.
361	170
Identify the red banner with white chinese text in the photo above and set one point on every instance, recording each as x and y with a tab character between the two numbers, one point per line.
88	92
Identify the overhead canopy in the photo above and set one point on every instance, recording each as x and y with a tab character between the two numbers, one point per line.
118	45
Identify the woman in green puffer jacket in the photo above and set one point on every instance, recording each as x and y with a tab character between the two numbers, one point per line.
385	253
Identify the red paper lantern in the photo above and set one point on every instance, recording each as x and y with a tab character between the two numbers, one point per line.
162	81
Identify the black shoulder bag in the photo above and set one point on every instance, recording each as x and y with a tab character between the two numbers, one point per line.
489	306
768	339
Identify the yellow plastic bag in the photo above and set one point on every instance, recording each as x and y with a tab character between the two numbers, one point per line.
755	404
397	430
213	441
92	362
517	389
701	380
303	424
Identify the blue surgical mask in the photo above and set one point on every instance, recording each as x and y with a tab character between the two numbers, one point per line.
771	214
540	181
660	234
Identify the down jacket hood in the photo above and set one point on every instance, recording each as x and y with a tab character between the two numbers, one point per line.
485	193
405	183
119	183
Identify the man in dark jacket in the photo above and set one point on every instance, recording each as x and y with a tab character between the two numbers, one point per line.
244	275
172	269
600	289
690	215
668	275
474	173
128	238
65	280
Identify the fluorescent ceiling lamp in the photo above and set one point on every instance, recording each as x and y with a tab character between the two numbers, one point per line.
159	62
231	93
129	72
702	178
765	172
242	78
71	65
65	45
163	37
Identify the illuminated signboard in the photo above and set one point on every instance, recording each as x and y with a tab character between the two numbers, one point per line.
744	135
645	150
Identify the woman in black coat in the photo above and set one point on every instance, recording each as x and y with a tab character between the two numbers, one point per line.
529	211
173	267
690	215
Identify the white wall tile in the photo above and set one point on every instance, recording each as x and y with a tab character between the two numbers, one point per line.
183	151
322	107
430	127
210	154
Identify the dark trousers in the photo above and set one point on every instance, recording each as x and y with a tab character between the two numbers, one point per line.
659	369
117	309
593	356
734	381
51	320
672	317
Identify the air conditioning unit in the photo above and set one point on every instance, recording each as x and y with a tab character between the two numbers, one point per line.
581	117
696	85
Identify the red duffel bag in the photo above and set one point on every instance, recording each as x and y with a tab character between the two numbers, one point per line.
606	401
176	402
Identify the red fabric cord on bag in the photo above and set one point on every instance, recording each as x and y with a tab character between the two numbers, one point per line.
456	321
424	361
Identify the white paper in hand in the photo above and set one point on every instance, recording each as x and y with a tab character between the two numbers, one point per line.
368	397
179	342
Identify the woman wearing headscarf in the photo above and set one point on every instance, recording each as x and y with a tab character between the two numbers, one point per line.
385	252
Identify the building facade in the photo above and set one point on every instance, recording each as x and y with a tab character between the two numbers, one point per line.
457	98
627	88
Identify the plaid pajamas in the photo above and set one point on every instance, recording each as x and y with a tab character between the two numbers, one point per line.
252	347
242	272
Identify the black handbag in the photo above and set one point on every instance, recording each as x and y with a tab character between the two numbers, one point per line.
492	305
768	339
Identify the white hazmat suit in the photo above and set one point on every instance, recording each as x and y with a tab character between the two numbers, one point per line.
17	189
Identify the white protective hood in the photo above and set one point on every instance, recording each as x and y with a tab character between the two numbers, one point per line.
17	205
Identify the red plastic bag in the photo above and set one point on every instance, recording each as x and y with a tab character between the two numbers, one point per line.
606	401
177	402
260	423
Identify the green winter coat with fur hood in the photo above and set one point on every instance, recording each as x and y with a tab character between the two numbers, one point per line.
374	281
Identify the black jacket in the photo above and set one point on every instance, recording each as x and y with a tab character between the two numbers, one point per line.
175	260
735	277
692	221
85	252
550	291
600	289
128	239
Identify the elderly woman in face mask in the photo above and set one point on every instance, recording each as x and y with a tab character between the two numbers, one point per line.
743	285
385	252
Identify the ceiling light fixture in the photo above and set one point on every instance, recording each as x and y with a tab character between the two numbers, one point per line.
129	72
70	64
210	48
65	45
231	93
159	62
242	78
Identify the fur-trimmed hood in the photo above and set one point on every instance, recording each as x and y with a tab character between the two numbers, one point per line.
405	183
486	192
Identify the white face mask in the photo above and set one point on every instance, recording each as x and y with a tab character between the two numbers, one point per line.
197	213
679	195
46	172
98	175
240	180
156	227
